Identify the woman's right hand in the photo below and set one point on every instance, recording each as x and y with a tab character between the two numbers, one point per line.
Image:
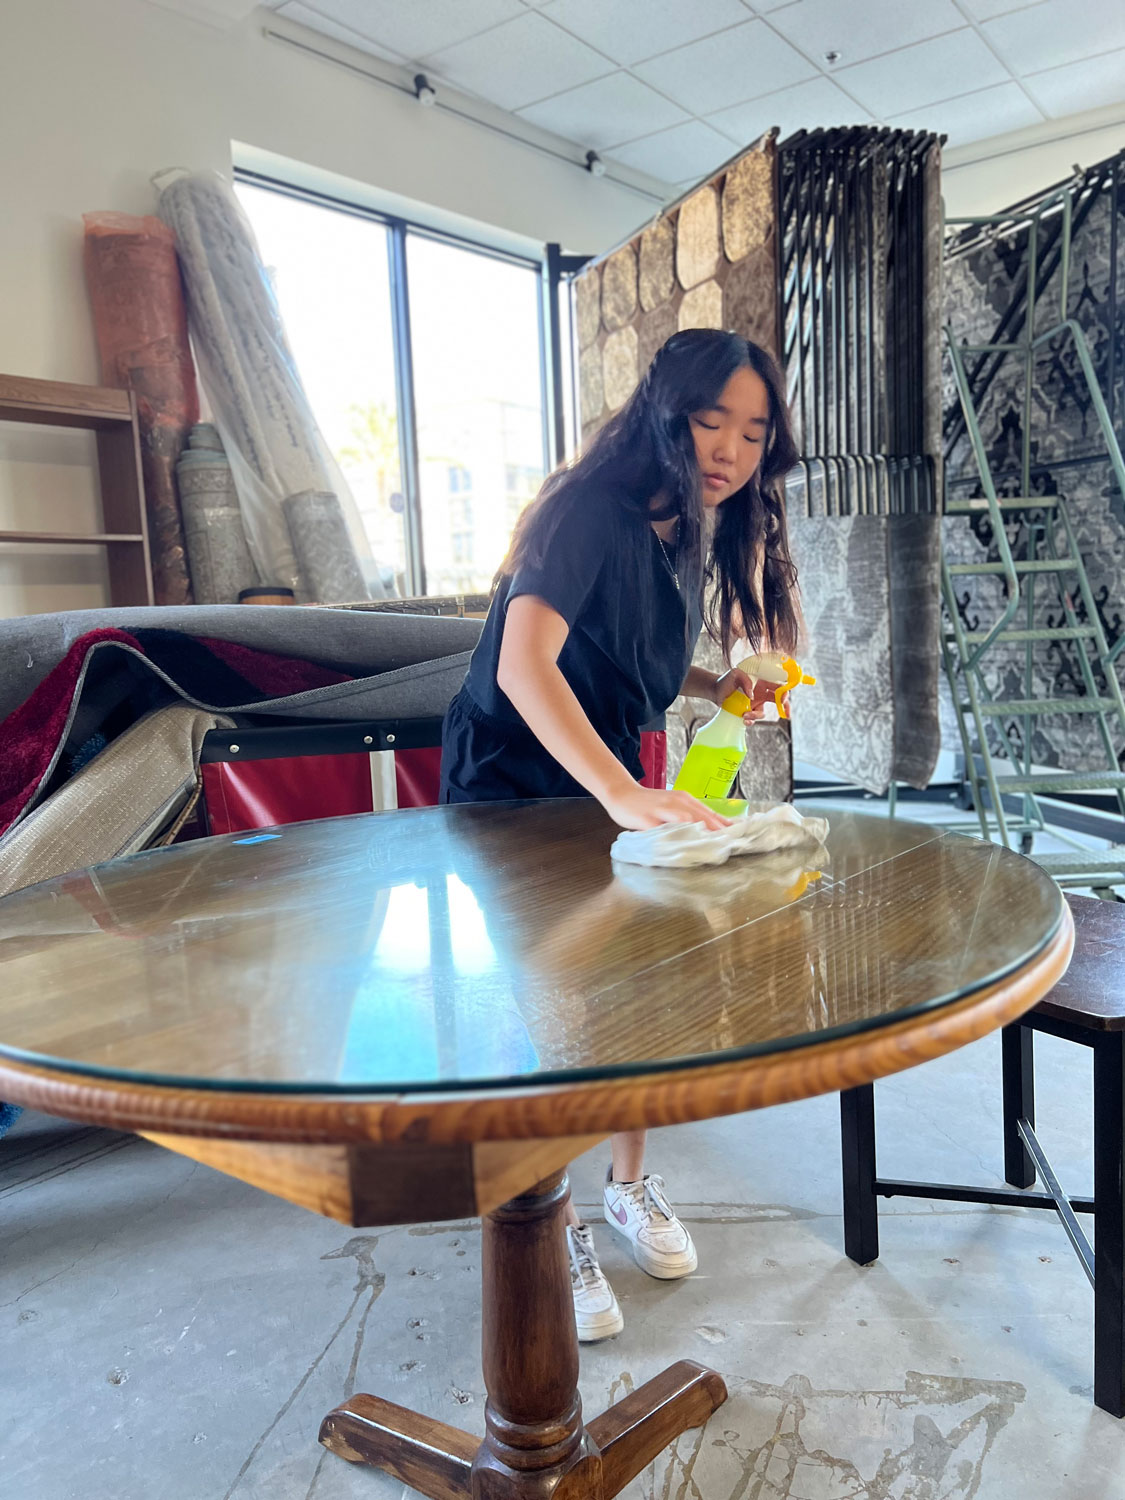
637	806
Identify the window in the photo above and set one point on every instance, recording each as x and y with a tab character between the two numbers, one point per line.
474	322
331	276
407	340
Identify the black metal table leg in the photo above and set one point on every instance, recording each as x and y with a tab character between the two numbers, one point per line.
857	1147
1018	1065
1109	1223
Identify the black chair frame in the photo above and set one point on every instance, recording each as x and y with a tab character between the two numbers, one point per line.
1024	1160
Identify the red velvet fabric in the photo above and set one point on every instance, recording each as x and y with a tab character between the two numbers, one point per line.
30	733
29	736
273	676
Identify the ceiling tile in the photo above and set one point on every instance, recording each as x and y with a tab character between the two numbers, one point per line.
803	107
1089	84
742	63
690	151
859	32
628	30
984	10
1057	32
766	7
605	112
523	60
304	15
922	74
416	29
974	117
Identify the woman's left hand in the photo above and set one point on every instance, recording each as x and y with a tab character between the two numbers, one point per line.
737	681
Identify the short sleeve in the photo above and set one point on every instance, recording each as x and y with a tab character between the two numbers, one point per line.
572	561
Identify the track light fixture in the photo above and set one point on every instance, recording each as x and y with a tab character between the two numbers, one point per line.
425	95
594	164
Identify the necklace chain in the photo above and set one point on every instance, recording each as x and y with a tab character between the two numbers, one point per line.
668	559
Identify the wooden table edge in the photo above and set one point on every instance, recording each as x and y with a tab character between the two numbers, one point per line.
595	1107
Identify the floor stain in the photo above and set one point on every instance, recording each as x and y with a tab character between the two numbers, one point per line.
361	1248
928	1440
711	1334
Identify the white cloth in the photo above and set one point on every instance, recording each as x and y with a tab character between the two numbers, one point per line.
685	845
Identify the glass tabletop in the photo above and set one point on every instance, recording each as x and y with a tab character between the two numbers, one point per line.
495	946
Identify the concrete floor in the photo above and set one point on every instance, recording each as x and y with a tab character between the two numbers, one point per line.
169	1332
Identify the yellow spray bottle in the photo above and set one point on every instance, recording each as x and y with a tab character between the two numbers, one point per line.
718	750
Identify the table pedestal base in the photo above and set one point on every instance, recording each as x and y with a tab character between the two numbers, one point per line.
536	1444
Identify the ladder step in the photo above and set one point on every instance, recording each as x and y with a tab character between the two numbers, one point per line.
1018	706
1061	782
1109	862
1069	633
979	503
1054	565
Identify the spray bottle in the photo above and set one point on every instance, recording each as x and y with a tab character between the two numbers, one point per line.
718	750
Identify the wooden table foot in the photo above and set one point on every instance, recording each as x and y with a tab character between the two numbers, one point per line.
535	1446
631	1434
428	1455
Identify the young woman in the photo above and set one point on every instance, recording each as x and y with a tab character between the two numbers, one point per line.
594	620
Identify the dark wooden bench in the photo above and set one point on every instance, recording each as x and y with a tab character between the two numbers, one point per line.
1088	1007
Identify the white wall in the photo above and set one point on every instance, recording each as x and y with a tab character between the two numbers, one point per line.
989	175
97	95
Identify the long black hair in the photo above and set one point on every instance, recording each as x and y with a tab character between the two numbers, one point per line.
647	449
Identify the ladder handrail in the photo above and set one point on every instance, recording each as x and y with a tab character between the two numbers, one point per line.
1082	349
984	468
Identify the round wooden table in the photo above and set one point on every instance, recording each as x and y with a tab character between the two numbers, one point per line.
425	1015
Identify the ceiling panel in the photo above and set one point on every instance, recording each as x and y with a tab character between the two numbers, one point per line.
519	62
744	63
857	32
605	112
803	107
689	150
1057	32
972	117
670	87
1096	81
417	29
915	76
629	30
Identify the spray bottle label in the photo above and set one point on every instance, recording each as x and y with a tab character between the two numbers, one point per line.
709	770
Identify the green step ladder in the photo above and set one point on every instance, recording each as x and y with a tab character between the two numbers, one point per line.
1047	578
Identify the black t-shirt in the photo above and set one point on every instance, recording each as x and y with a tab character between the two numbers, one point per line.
606	574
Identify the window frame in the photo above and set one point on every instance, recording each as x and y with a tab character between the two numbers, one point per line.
398	228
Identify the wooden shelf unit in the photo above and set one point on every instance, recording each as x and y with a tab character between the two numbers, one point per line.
111	415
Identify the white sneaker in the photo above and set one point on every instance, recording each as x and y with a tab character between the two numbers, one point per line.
641	1212
596	1312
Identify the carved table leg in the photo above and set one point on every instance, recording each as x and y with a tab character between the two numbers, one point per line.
425	1454
535	1445
631	1434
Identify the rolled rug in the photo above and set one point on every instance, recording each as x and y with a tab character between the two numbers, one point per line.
326	560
